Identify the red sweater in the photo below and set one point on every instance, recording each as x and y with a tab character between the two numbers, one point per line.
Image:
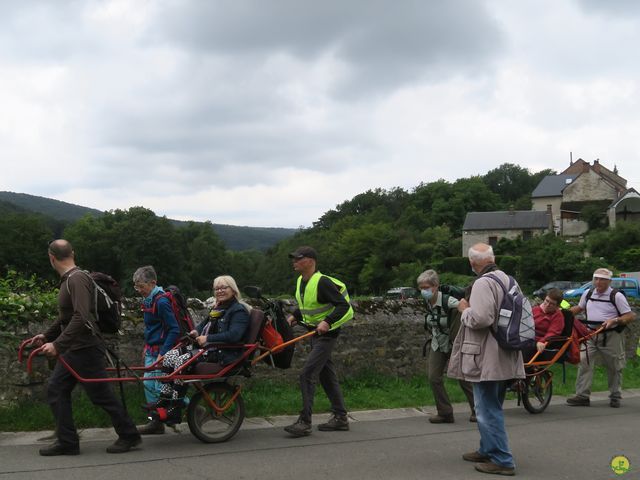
547	325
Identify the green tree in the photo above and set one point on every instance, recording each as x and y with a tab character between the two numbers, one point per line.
23	245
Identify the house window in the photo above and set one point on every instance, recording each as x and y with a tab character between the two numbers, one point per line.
527	235
493	241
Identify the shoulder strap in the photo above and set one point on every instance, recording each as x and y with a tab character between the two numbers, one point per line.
445	303
91	323
494	277
589	295
612	298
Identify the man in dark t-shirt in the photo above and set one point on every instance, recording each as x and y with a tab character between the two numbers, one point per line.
72	338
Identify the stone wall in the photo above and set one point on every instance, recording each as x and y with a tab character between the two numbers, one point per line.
384	337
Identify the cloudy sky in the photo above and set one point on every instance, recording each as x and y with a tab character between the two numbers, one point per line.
269	113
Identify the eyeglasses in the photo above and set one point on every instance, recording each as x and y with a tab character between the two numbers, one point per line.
138	286
220	289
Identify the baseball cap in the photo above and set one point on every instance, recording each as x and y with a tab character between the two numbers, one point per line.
302	252
602	273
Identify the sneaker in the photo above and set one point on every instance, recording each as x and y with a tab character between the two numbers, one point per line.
490	467
299	429
614	403
154	427
578	401
335	423
441	419
475	457
122	445
473	418
58	448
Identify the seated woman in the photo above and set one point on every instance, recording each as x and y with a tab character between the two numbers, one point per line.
227	323
549	322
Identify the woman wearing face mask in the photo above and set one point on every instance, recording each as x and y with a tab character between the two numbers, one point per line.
441	320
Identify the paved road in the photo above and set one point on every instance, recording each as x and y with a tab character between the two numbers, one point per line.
562	443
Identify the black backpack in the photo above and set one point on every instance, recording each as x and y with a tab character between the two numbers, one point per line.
284	357
108	296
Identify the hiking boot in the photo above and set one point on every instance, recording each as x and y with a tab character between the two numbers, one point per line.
578	401
490	467
614	403
58	448
299	429
122	445
473	418
475	457
442	418
335	423
154	427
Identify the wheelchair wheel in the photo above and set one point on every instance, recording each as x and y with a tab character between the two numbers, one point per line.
537	392
205	423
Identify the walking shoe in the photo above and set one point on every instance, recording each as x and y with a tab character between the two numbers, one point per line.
154	427
490	467
473	418
475	457
299	429
578	401
335	423
441	419
58	448
122	445
614	403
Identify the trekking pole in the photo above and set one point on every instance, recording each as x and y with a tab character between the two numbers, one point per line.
283	345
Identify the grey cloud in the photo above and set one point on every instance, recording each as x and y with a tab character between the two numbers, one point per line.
382	42
44	31
620	8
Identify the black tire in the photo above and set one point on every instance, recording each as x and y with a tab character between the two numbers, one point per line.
205	424
537	392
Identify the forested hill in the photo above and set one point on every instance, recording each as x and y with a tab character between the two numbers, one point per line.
382	238
234	237
56	209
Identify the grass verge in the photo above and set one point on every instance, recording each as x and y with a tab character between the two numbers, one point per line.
265	398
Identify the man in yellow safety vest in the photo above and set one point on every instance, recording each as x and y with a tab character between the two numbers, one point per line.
323	306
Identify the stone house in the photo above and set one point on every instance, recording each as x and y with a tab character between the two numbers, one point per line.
489	227
626	208
581	184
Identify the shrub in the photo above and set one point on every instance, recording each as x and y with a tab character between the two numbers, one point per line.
23	299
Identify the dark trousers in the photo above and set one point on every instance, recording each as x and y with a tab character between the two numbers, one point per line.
435	372
88	363
319	366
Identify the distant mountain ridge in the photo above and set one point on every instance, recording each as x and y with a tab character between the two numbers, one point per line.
234	237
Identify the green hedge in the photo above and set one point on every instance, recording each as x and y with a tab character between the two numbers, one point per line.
460	265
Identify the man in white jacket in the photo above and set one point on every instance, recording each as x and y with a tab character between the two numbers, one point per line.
477	358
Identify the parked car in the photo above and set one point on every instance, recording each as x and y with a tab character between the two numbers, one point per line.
401	293
559	284
630	287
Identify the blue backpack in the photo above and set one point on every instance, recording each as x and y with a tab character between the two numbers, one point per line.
515	328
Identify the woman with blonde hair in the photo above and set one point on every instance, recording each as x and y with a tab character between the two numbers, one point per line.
227	323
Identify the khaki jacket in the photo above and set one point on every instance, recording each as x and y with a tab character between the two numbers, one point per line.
476	356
